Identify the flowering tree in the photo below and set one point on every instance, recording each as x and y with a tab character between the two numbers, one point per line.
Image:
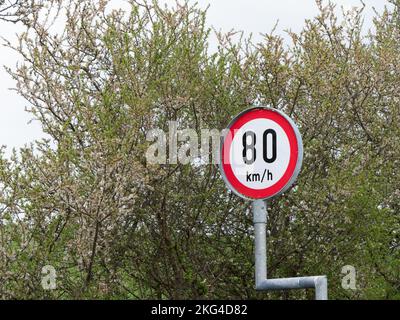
86	201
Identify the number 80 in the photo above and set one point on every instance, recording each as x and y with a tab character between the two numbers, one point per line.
252	145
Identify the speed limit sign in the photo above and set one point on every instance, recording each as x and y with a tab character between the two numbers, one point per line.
261	153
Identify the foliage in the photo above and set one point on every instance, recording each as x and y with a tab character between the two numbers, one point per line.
114	227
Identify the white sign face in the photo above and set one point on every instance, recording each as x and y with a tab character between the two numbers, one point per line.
254	162
261	154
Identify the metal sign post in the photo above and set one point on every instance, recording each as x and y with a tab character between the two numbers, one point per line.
261	156
319	283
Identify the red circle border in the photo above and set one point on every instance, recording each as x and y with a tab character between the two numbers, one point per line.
294	153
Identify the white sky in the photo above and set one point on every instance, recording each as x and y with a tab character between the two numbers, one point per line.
250	16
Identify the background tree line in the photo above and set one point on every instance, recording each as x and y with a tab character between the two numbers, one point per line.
114	227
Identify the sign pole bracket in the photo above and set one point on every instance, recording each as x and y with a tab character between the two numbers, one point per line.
319	283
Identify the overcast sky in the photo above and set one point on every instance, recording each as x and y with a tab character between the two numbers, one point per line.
250	16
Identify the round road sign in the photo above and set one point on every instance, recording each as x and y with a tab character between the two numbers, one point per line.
261	153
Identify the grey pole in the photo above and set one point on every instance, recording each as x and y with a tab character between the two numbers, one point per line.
260	222
319	283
